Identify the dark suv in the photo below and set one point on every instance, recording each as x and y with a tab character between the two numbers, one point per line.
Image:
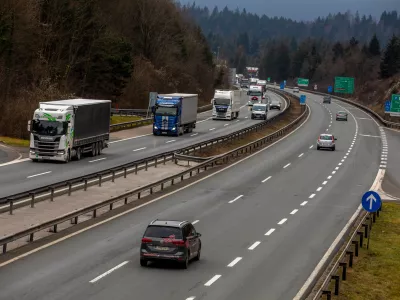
327	99
170	240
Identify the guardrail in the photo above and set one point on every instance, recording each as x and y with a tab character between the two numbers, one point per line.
338	271
124	199
82	182
365	108
128	112
146	121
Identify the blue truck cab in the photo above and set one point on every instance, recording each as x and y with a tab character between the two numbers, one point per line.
174	114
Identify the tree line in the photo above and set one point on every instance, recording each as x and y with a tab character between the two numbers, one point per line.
118	50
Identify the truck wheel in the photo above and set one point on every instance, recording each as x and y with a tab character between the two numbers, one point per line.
68	158
94	151
100	148
237	115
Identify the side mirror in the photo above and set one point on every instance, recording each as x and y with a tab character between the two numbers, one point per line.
29	125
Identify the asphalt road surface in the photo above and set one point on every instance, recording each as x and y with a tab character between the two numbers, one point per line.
391	182
27	175
291	202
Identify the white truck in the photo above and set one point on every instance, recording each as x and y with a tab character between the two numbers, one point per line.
255	94
263	84
66	129
226	104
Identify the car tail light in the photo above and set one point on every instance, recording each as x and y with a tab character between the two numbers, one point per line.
179	242
146	240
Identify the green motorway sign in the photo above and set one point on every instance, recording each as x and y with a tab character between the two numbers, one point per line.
344	85
302	82
395	104
269	79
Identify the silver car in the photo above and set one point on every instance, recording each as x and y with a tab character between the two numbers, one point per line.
327	99
327	141
275	104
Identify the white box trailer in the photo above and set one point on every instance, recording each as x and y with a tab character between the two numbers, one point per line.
226	104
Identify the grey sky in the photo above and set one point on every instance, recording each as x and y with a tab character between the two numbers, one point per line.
304	9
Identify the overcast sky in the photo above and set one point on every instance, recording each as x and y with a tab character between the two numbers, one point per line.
304	9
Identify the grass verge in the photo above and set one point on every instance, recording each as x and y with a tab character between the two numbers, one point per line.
122	119
293	113
376	272
14	142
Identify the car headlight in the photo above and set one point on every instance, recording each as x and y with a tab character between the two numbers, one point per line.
155	127
174	128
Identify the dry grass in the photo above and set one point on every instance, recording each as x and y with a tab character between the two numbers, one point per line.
376	272
14	141
293	113
122	119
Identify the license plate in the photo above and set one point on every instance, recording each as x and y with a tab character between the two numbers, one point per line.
162	248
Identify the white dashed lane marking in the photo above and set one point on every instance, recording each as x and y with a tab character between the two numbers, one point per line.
252	247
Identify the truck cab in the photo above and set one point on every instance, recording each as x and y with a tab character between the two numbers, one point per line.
226	104
255	94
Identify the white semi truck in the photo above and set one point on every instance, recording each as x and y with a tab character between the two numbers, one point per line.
255	94
226	104
66	129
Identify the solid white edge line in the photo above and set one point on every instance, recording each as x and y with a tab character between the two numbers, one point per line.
40	174
282	221
254	245
234	262
151	201
212	280
108	272
269	232
318	268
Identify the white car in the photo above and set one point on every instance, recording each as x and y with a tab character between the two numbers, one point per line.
296	90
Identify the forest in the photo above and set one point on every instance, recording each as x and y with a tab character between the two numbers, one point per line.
117	50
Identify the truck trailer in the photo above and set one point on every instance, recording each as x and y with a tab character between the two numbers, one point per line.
66	129
175	114
226	104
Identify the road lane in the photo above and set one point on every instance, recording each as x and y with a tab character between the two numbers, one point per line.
13	177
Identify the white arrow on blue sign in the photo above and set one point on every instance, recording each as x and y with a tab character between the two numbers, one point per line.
387	106
371	201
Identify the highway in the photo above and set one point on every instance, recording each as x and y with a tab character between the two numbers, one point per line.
270	217
27	175
391	182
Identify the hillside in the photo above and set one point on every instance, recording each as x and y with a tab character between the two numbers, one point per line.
118	50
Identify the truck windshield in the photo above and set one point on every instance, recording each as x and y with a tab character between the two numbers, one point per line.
166	111
258	108
50	128
219	101
255	93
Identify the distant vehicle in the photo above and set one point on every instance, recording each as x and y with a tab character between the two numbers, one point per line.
275	104
259	111
175	114
327	99
226	104
255	94
341	115
253	81
66	129
263	84
296	90
326	140
170	240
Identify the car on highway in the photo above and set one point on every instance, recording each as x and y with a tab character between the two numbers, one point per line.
341	115
259	111
166	240
275	104
296	90
327	141
327	99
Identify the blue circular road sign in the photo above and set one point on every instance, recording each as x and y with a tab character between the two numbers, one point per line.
371	201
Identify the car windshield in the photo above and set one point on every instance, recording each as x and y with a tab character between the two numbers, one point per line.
219	101
341	113
325	137
255	93
166	111
50	128
163	232
258	108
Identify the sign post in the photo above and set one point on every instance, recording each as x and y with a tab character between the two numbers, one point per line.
395	105
152	102
303	82
344	85
371	202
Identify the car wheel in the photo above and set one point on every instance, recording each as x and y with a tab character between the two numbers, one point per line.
318	147
143	263
185	264
333	148
198	254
